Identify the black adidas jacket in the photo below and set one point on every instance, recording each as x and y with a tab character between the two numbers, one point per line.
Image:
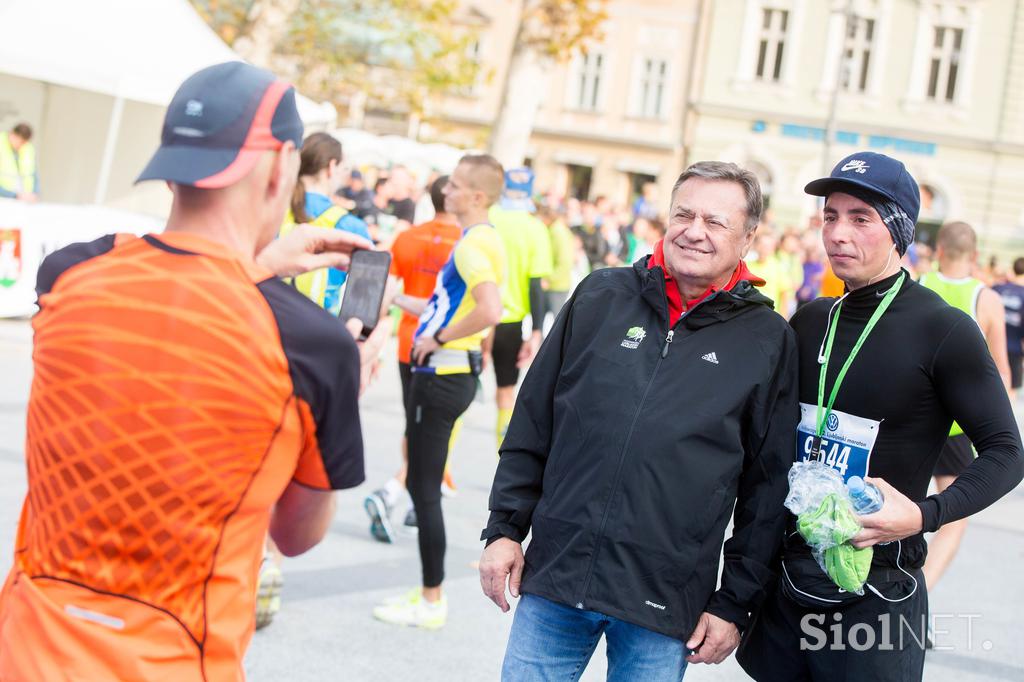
630	444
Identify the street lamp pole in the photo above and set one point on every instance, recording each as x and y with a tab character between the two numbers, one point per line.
849	16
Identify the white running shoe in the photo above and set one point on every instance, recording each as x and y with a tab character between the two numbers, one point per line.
380	517
412	610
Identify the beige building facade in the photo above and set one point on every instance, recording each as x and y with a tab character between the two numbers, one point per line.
610	120
936	83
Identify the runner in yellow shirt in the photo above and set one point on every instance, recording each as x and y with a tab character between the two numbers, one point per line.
528	256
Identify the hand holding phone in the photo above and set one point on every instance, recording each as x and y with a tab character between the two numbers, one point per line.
364	288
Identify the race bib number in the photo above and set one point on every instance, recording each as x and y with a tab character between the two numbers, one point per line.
846	442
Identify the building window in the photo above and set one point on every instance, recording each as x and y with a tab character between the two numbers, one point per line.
944	63
579	181
588	82
772	44
653	84
860	35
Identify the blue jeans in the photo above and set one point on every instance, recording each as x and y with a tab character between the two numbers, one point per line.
550	641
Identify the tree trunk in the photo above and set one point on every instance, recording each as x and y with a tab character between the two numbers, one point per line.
268	25
525	84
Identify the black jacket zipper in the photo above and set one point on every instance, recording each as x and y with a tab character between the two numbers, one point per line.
580	603
618	472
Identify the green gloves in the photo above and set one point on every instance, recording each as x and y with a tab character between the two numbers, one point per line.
830	527
848	566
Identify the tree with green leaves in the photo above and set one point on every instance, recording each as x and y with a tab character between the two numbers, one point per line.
550	31
394	53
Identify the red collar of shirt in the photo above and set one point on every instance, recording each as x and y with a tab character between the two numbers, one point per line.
676	305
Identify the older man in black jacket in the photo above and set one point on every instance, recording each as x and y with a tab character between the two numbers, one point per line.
663	398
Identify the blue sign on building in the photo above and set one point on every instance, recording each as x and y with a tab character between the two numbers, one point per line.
881	142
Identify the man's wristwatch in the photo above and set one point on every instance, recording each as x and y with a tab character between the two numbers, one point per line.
437	336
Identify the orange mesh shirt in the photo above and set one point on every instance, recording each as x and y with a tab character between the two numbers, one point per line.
177	391
417	255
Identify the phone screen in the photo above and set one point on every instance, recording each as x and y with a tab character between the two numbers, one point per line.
364	288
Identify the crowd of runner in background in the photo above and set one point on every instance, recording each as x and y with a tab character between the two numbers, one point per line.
591	234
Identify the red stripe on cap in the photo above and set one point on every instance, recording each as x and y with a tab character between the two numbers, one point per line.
236	170
260	135
260	138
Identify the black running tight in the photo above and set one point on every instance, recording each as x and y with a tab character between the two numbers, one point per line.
435	402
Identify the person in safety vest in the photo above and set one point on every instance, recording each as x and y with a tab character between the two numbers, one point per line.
18	177
320	177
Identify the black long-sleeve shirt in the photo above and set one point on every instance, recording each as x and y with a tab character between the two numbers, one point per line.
924	364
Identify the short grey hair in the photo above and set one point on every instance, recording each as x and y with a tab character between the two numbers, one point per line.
729	172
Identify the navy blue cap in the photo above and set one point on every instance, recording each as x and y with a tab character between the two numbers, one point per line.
220	122
876	173
518	192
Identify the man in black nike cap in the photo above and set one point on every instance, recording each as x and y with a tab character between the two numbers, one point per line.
884	370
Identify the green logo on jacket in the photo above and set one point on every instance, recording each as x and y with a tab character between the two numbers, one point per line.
634	335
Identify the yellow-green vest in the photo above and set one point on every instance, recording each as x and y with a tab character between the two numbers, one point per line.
313	285
959	293
17	168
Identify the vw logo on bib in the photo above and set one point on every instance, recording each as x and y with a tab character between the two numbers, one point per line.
846	444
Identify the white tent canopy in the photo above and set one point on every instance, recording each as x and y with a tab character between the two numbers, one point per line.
364	149
140	50
135	51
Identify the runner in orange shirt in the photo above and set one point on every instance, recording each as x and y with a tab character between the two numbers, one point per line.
184	402
417	255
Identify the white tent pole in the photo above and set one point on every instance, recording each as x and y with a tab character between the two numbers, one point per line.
108	150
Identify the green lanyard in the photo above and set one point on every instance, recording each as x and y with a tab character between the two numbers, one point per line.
825	411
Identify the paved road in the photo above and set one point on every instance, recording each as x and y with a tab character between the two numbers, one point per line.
325	631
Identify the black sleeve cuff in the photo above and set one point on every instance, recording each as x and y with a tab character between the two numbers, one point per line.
722	606
501	530
929	514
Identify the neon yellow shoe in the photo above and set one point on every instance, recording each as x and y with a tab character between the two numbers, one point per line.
268	597
412	610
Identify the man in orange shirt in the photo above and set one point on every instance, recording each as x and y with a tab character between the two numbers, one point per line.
185	402
417	255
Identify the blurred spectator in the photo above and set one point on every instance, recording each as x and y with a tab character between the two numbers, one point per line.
1012	293
381	223
594	245
320	174
563	254
791	251
646	233
400	202
424	205
18	174
771	268
924	255
813	274
602	206
580	263
573	213
616	239
990	273
646	205
359	194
